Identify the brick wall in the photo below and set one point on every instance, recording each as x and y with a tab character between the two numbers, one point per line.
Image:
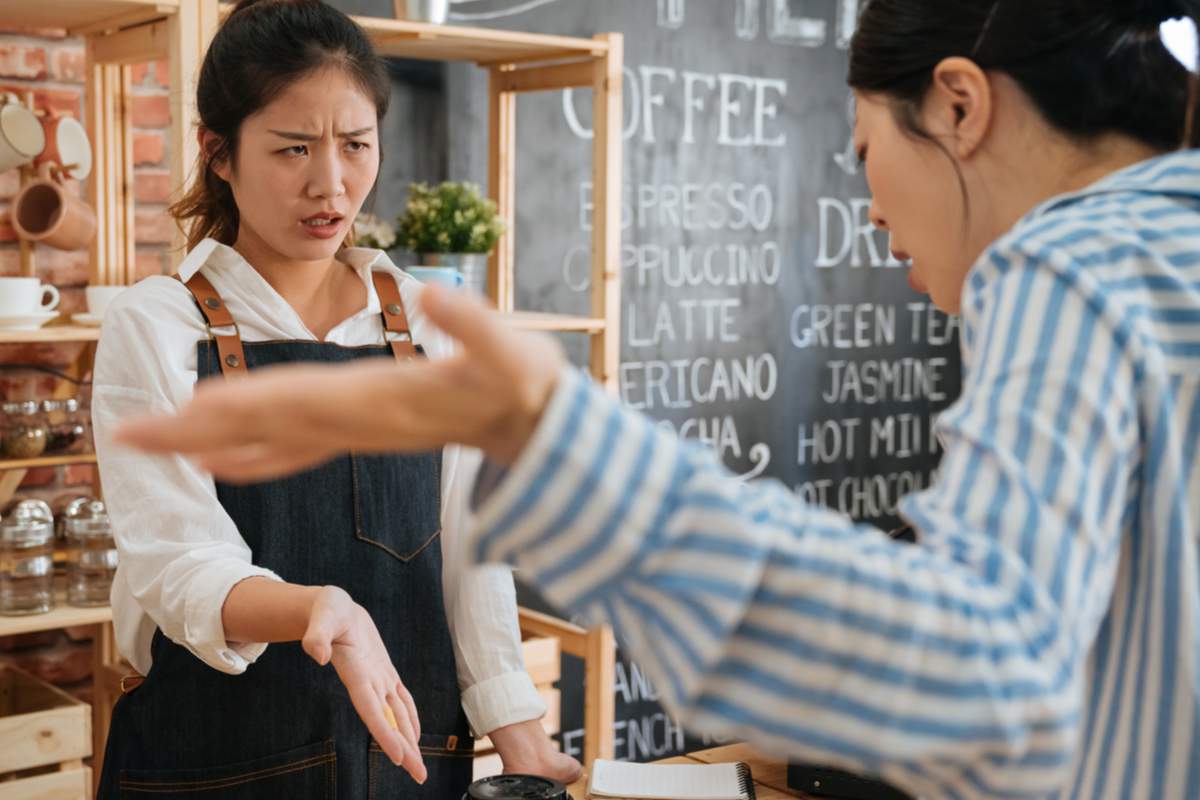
51	65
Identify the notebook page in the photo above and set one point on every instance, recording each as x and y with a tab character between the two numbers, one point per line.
667	781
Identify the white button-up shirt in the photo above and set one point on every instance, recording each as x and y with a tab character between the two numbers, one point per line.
181	553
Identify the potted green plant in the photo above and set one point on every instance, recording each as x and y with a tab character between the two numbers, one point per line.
371	231
451	225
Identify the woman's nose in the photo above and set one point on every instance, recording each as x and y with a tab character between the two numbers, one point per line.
326	179
877	216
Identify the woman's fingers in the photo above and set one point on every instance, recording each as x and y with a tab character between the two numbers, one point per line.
406	697
370	704
409	729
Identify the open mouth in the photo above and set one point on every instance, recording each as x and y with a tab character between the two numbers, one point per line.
322	221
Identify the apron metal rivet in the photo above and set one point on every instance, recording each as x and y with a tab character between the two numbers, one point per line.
233	361
392	308
212	302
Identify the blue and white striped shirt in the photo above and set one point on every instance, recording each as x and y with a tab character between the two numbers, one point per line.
1043	639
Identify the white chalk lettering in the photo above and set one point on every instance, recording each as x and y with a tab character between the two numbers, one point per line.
827	441
685	382
843	326
873	382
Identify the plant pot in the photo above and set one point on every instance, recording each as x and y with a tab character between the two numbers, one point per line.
473	266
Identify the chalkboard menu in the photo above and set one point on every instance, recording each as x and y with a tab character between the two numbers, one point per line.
762	313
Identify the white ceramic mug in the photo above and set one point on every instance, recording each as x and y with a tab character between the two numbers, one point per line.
99	297
22	138
67	146
26	296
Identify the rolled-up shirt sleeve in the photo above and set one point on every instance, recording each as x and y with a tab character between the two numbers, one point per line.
180	553
481	607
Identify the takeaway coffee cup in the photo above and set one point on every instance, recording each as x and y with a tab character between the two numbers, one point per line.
21	136
44	211
26	296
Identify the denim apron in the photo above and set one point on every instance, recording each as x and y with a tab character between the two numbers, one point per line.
286	727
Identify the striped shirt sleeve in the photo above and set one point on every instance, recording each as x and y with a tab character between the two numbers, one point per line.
953	668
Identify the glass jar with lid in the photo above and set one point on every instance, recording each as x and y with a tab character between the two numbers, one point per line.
91	555
65	507
26	561
67	429
25	430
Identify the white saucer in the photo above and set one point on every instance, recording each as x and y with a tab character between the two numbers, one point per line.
87	319
26	322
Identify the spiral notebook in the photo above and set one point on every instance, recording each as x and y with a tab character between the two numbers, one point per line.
670	781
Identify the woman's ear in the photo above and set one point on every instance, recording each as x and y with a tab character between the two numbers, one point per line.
210	143
958	105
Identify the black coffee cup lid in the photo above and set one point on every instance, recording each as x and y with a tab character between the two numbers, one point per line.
516	787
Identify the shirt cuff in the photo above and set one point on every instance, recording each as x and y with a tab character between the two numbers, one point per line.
503	700
203	627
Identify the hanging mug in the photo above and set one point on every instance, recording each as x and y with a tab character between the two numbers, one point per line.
67	146
21	136
46	212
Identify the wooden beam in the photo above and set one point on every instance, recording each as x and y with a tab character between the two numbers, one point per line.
599	704
94	123
127	266
502	179
571	75
571	638
607	163
133	45
188	35
108	150
123	21
538	58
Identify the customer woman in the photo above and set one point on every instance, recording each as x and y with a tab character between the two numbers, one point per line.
232	600
1042	639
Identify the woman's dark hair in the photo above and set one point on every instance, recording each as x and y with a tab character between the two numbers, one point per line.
1091	67
263	47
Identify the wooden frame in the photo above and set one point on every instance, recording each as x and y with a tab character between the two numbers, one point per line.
601	72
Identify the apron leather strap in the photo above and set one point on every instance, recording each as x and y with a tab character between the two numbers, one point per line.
225	333
395	321
221	325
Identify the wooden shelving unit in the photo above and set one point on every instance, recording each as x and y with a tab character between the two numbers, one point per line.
117	34
518	63
51	333
47	461
63	616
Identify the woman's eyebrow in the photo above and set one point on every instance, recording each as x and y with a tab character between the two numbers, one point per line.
312	137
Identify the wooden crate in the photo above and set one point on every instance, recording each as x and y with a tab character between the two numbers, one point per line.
44	736
543	659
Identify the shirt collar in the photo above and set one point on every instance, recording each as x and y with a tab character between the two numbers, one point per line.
1176	173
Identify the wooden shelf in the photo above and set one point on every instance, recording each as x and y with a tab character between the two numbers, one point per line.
535	321
86	16
63	616
396	38
51	333
48	461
